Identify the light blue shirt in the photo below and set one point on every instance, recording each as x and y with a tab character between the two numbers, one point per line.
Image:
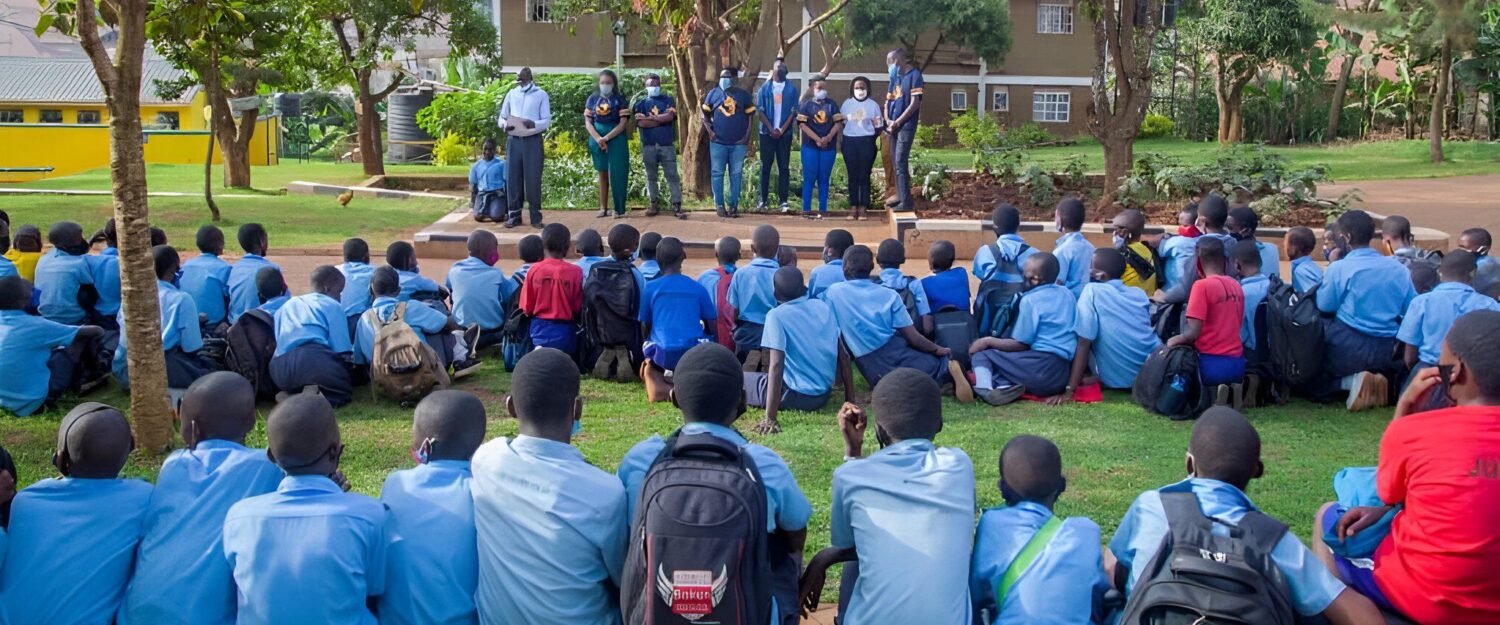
553	531
179	325
1270	259
1140	534
413	282
421	317
1047	321
7	268
58	277
1075	258
908	510
433	571
356	296
1432	314
307	553
1306	274
530	102
587	262
26	343
893	279
1255	288
107	281
1116	356
312	318
488	174
650	269
73	544
242	293
824	276
1060	587
710	281
799	329
181	576
868	314
478	293
1178	253
205	277
274	304
985	267
1369	292
753	292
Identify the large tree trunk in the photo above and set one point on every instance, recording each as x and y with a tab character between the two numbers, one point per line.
1229	87
692	69
1340	89
367	121
1119	101
1435	125
237	151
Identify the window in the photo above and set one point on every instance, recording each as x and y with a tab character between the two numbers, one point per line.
1054	19
12	116
168	120
538	10
958	100
1051	106
88	117
52	117
1000	100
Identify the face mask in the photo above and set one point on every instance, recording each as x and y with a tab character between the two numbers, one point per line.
653	91
893	68
1118	240
492	258
177	278
1239	236
1189	231
821	94
861	94
606	89
725	83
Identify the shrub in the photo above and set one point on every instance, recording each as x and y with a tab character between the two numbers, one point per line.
1040	188
473	115
451	150
1074	171
976	131
1029	133
1156	126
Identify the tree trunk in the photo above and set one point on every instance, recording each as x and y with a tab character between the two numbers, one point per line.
1119	101
1340	88
1435	125
1119	155
367	120
690	66
237	152
216	105
1230	90
208	178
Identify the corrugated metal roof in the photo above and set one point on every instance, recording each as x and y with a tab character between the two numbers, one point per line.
72	80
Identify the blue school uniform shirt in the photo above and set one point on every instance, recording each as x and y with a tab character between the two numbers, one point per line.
274	304
1140	534
552	534
901	93
675	306
312	318
7	268
824	276
1177	254
710	281
1047	321
799	329
1368	292
868	314
1063	584
1306	274
1255	288
665	134
587	262
478	292
752	293
179	325
421	317
1011	246
730	113
26	344
106	268
307	553
947	289
242	293
1432	314
1270	259
488	175
433	571
413	282
892	278
1117	318
205	278
58	277
356	296
1075	258
909	510
181	576
73	544
650	269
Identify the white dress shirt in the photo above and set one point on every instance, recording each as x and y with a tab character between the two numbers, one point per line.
529	102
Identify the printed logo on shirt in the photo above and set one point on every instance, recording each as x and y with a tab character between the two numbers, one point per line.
692	594
655	110
821	117
895	93
602	108
728	107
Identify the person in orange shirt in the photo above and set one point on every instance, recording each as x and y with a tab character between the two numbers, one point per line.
553	293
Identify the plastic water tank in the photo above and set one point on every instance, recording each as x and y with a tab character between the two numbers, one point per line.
407	142
289	104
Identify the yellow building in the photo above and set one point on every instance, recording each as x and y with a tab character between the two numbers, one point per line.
54	122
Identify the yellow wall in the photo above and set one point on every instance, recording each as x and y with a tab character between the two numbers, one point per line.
190	115
70	148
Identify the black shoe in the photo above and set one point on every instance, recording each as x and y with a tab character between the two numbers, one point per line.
465	368
721	212
537	225
511	224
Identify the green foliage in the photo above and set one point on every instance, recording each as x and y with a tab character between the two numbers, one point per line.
451	150
1029	133
1251	171
1249	33
1003	164
1155	126
926	136
348	40
982	26
978	133
1040	188
1075	170
472	116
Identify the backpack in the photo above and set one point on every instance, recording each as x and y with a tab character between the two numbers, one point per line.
724	326
699	548
403	367
997	302
1201	577
515	335
1166	319
908	299
612	305
955	330
250	344
1169	384
1294	333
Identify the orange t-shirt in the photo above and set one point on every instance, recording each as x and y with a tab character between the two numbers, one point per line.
553	290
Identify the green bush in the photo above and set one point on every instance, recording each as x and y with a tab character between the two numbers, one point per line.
474	115
1029	133
976	132
1156	126
451	150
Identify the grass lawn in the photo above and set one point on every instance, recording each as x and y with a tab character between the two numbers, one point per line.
266	179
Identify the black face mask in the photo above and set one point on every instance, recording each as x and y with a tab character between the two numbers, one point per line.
780	75
1239	236
77	249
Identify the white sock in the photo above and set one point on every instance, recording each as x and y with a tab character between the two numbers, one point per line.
984	380
460	348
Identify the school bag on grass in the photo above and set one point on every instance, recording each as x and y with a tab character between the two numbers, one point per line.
403	367
515	337
699	550
249	345
612	305
1198	576
1168	384
1294	333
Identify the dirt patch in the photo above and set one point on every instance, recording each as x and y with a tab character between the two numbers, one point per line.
423	183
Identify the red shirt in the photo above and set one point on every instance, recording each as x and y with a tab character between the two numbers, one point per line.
1439	564
553	290
1219	302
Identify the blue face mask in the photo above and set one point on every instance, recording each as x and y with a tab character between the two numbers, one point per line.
894	70
177	278
725	83
1118	241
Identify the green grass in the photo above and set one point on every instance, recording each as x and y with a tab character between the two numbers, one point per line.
265	179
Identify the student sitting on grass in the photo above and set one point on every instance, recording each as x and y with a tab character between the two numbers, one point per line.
613	331
181	576
73	538
1214	318
1031	566
205	278
479	291
1477	241
1013	250
677	315
436	329
312	340
649	267
357	270
7	268
106	268
880	335
752	295
1242	224
1436	564
590	248
270	290
948	286
42	359
181	334
1181	253
1075	255
1255	285
553	294
717	282
1431	315
1140	258
804	354
243	294
64	275
309	552
25	250
1035	357
903	516
549	523
1223	457
1114	330
531	251
414	285
890	256
835	243
433	571
1306	274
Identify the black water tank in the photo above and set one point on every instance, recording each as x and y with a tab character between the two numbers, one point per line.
289	104
407	142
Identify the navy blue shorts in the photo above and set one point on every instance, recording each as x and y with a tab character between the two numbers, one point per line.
1359	573
560	335
1216	370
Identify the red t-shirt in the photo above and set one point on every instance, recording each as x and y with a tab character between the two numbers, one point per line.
1219	302
1439	564
553	290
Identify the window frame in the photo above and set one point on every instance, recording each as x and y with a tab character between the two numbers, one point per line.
1064	24
56	116
98	117
20	116
175	122
953	100
994	96
1043	114
539	7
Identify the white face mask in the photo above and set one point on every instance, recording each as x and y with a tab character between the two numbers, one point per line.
725	82
653	91
606	88
860	94
821	94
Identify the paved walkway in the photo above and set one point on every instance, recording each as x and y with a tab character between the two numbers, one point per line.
1448	204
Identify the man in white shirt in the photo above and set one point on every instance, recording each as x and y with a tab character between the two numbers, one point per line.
525	115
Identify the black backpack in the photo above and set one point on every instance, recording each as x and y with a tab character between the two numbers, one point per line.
515	335
699	549
612	305
1294	333
1201	577
908	299
251	344
1166	319
1169	384
954	329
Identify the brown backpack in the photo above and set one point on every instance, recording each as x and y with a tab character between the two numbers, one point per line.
403	367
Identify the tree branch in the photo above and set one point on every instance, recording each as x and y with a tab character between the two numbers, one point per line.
87	16
933	52
815	23
723	19
391	88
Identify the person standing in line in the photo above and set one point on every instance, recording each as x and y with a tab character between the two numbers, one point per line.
862	119
776	106
821	123
606	117
525	114
903	108
656	116
727	111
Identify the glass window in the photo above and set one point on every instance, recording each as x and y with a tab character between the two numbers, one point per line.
88	117
958	100
52	117
12	116
538	10
168	120
1000	100
1051	106
1054	19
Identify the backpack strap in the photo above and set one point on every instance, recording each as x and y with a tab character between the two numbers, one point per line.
1023	560
1261	531
373	318
399	314
1144	267
1184	515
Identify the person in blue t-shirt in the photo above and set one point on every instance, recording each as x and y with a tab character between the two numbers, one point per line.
1075	255
414	285
835	243
590	247
1115	336
205	278
649	268
1001	261
479	291
106	267
717	282
243	294
487	185
776	108
727	113
890	256
948	286
1300	243
435	328
1181	253
656	117
1029	565
42	359
181	333
1477	241
64	275
356	269
1242	225
1432	314
313	345
271	291
804	354
677	314
903	107
1035	358
1247	257
821	122
752	294
606	117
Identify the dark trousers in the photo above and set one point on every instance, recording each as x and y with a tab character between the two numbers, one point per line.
523	177
779	152
1347	351
758	384
901	160
859	157
747	337
314	364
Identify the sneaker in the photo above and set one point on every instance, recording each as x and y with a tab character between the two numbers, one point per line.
1370	390
1003	396
602	367
734	212
653	210
721	212
1221	395
623	372
961	388
785	208
465	368
761	207
92	385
